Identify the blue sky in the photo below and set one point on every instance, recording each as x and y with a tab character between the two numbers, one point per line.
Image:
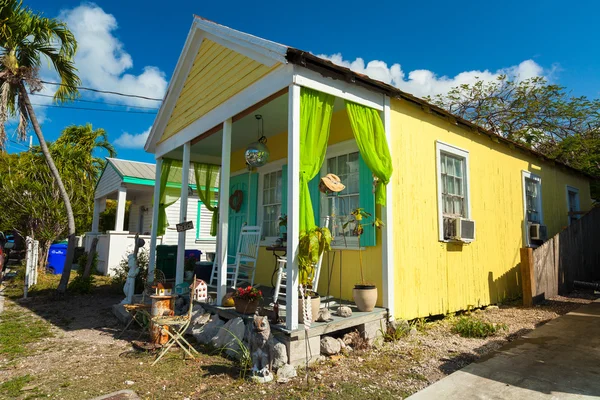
422	47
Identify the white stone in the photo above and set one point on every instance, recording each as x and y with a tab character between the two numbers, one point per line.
210	330
280	357
129	383
324	315
330	346
342	344
285	373
344	311
229	336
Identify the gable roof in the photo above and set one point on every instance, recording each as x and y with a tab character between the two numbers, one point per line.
285	54
139	173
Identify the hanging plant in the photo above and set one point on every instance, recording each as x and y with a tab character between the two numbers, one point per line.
312	244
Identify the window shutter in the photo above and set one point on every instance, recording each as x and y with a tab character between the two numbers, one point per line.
284	185
198	220
315	197
253	199
366	200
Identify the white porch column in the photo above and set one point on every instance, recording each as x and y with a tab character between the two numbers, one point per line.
183	204
223	229
96	216
293	227
154	228
121	202
387	217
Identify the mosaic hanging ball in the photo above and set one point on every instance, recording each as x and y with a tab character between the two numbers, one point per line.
257	153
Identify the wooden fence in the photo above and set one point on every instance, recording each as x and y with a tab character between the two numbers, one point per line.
572	254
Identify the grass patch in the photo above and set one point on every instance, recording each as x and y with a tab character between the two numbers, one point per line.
470	327
12	388
17	330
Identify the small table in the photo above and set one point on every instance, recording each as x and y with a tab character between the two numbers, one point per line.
161	305
275	249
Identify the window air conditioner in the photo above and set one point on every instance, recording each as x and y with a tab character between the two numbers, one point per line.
464	229
538	232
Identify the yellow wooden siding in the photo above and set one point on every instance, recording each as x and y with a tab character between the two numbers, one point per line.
218	73
432	277
372	256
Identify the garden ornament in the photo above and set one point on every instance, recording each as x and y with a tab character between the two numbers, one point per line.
257	153
331	183
261	349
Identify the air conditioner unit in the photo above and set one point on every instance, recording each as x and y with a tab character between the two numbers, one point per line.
464	229
538	232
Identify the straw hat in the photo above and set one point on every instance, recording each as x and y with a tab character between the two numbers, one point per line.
331	183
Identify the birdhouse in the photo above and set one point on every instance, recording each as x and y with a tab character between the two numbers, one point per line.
200	290
163	289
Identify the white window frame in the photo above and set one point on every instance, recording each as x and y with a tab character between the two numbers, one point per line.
267	169
336	150
531	175
576	191
200	207
456	152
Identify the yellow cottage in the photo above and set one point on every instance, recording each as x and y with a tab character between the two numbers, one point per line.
461	201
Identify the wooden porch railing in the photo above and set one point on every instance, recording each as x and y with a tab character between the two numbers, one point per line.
572	254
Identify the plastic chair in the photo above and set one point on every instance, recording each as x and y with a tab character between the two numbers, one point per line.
245	258
175	327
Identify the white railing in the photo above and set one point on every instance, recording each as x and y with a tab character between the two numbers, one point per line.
31	262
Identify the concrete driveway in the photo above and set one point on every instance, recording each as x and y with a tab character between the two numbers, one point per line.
559	360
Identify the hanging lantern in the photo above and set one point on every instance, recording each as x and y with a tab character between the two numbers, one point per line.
257	153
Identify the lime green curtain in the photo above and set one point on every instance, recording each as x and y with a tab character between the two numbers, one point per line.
316	109
206	180
370	137
170	172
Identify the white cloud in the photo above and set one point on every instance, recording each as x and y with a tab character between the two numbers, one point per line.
132	141
103	62
422	82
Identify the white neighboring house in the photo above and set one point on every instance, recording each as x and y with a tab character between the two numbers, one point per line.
133	181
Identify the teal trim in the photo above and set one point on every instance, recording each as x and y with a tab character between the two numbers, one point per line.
315	197
284	187
150	182
253	199
366	200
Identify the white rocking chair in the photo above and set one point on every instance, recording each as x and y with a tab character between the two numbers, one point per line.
245	259
281	281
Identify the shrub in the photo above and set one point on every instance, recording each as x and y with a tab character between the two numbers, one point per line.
123	269
82	261
82	285
475	328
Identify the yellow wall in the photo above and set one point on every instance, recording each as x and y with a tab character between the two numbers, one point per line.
432	277
372	256
217	74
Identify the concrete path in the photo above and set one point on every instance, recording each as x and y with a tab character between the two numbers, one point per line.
559	360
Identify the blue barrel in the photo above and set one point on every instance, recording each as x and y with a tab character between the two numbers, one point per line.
195	253
56	257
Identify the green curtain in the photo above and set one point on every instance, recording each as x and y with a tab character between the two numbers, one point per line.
316	109
170	172
370	137
206	180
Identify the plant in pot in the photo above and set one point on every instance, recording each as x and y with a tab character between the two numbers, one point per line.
283	227
311	246
246	299
364	293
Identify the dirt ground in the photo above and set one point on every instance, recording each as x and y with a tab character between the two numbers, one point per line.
81	357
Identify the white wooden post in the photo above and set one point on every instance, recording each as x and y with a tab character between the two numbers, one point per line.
183	203
293	227
121	202
154	228
96	216
223	211
387	233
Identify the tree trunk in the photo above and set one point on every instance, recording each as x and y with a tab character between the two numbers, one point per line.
90	259
64	279
43	255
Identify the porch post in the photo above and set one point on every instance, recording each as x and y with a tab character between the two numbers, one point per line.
223	211
387	233
293	227
121	202
183	204
154	228
96	216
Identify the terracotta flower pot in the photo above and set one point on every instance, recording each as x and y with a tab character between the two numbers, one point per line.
315	305
365	297
245	306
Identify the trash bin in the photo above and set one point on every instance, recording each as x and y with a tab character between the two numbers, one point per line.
56	257
203	270
195	253
166	260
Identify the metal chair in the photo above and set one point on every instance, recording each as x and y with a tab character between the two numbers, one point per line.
245	258
175	327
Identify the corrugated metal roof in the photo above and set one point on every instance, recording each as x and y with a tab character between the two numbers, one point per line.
142	170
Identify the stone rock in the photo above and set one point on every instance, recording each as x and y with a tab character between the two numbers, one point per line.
229	336
342	344
129	383
399	325
413	331
210	330
324	315
262	378
280	357
199	319
344	311
285	373
492	308
330	346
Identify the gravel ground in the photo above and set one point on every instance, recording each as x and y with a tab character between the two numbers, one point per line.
83	359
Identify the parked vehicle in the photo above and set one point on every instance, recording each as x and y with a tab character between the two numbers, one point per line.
3	258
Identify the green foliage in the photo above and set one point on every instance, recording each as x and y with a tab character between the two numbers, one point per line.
82	262
12	388
470	327
311	245
82	285
122	270
18	330
359	216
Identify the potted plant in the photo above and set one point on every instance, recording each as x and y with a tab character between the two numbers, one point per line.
283	226
311	246
246	300
364	293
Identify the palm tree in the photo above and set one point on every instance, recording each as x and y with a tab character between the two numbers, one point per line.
26	39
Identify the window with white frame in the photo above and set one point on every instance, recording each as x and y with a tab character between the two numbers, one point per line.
271	203
342	161
532	199
453	187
